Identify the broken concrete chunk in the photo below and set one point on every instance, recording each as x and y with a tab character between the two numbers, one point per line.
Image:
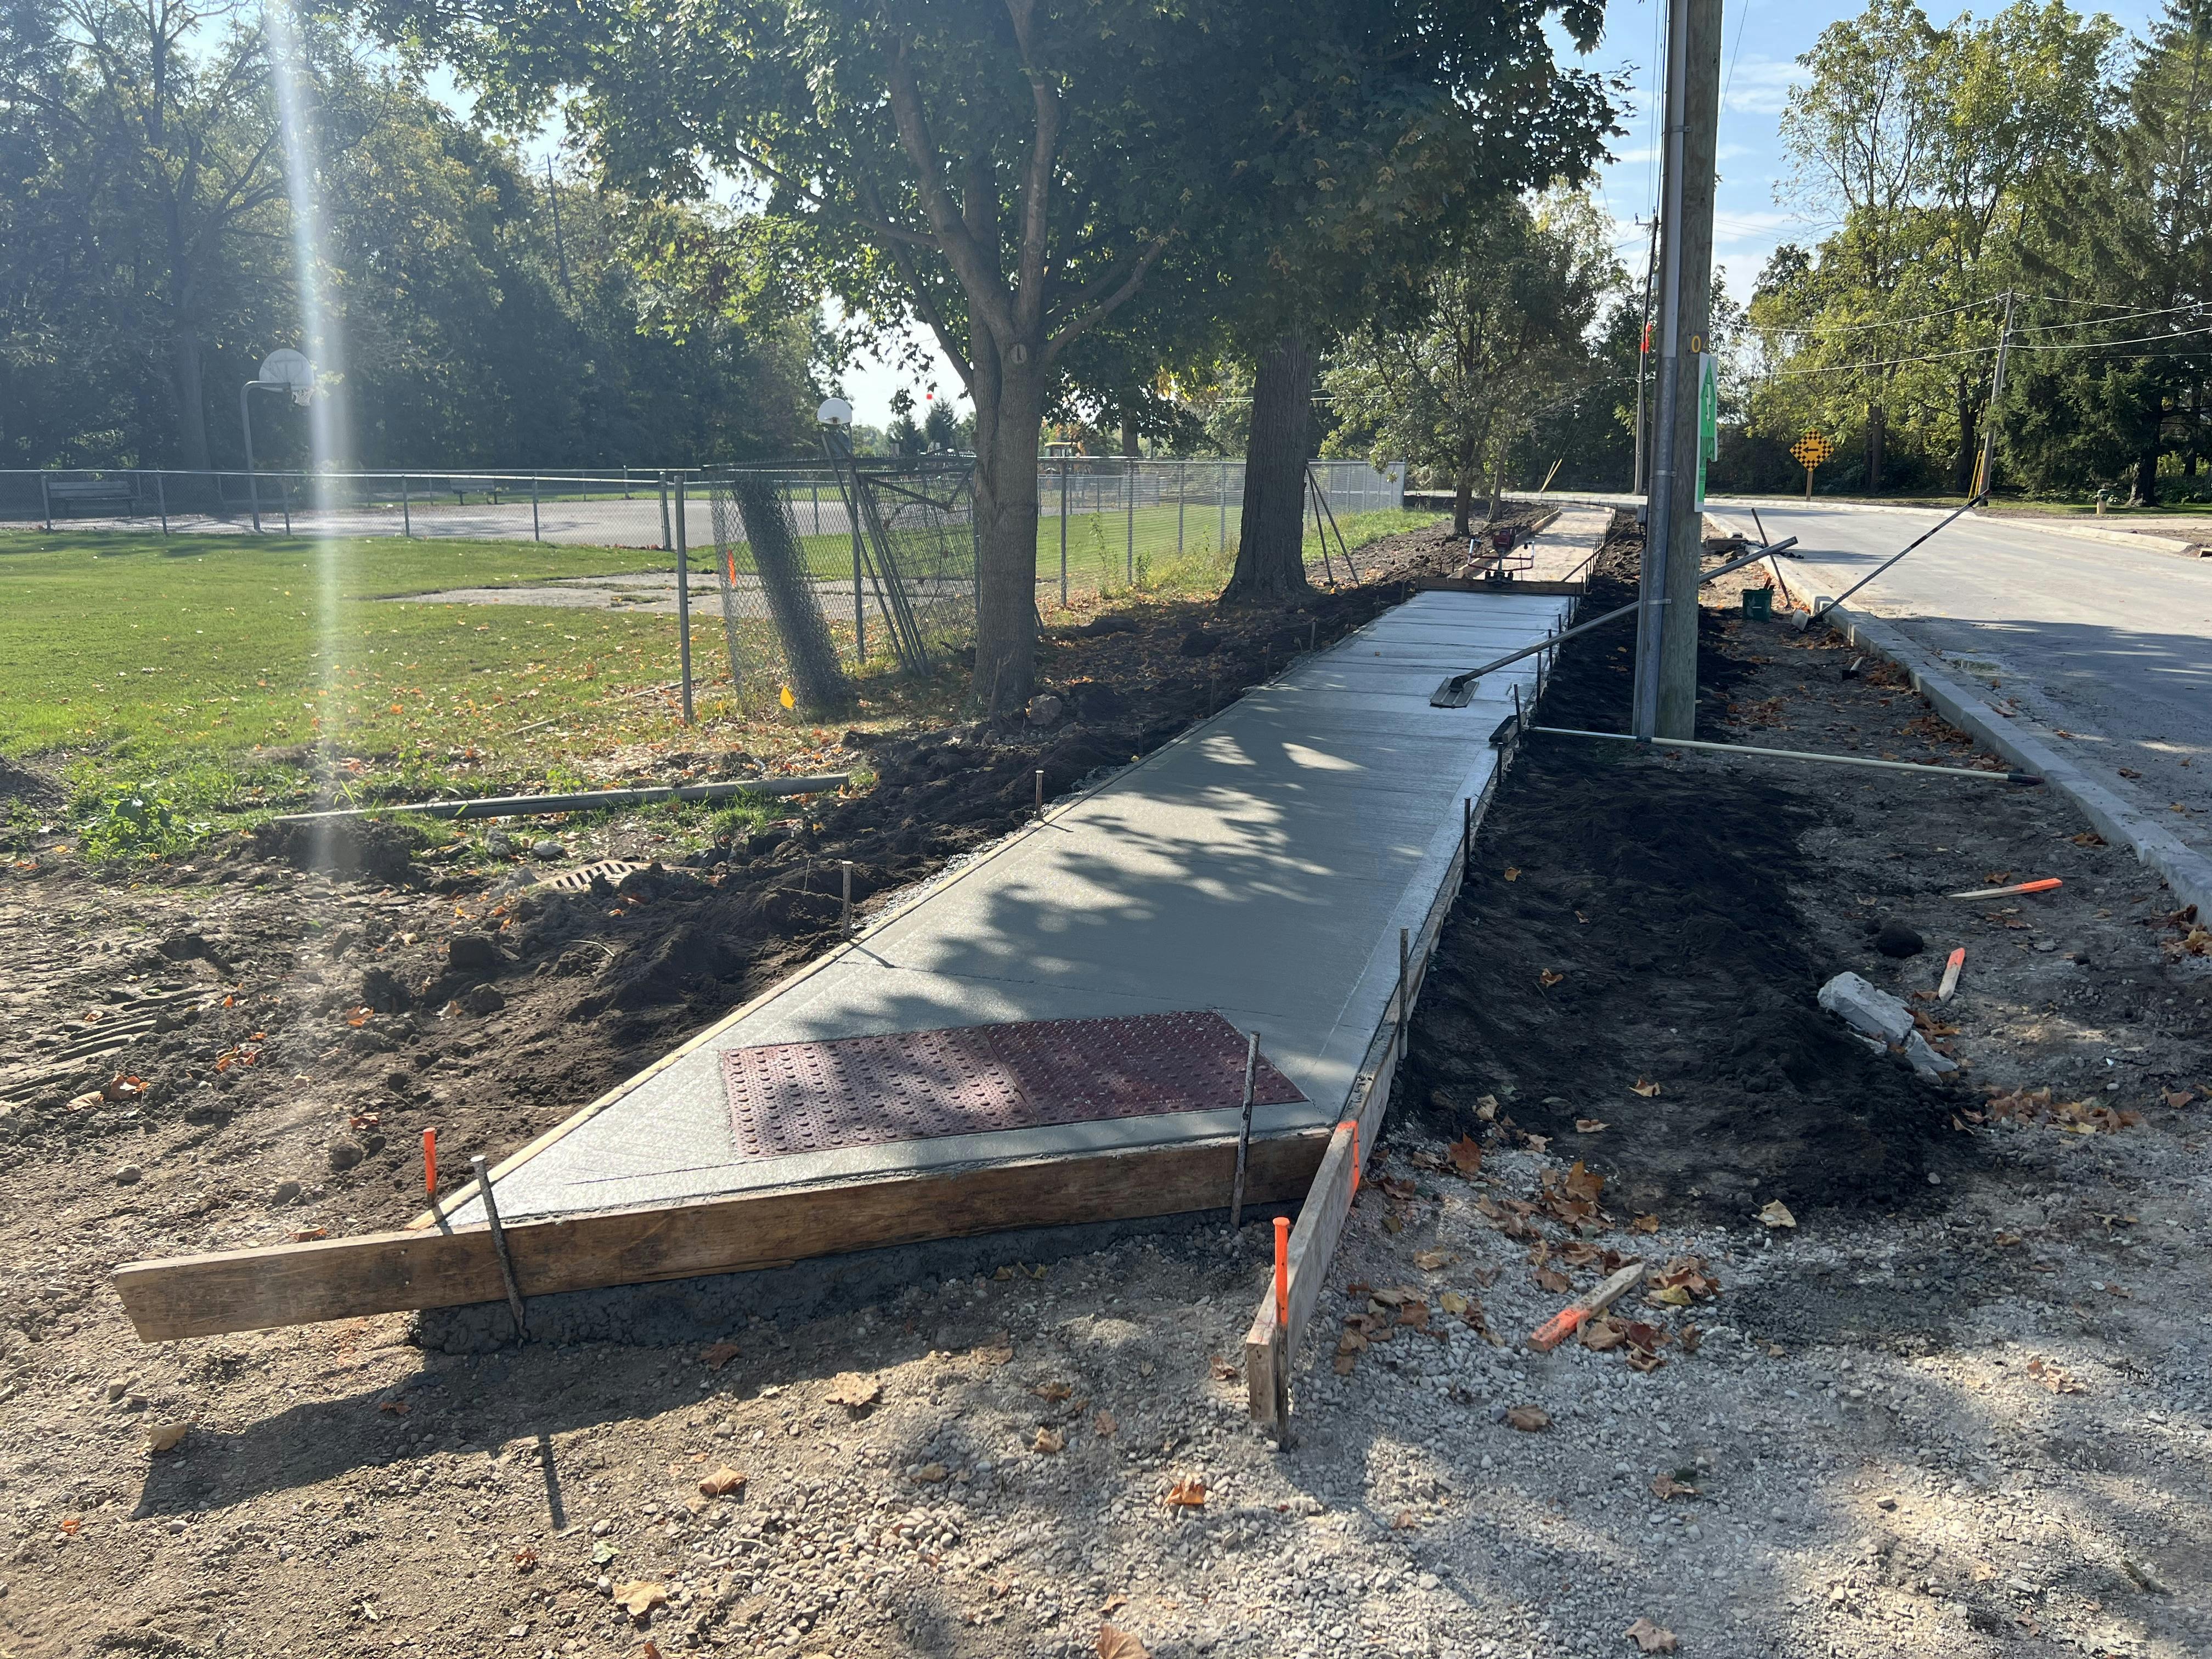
1927	1064
1863	1008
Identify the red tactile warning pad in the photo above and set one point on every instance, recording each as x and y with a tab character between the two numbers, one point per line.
790	1097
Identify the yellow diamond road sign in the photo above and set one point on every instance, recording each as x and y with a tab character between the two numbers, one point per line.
1812	450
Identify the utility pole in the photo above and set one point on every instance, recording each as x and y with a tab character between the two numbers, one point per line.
1667	625
1984	479
560	243
1643	350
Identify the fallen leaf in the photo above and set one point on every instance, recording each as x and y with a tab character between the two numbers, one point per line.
2052	1377
397	1408
1664	1486
1589	1126
1529	1419
1645	1224
1119	1645
1052	1393
725	1482
1651	1639
1224	1371
1644	1086
1104	1424
72	1524
855	1392
719	1355
1429	1260
2179	1098
1551	1280
640	1598
1048	1440
1187	1494
524	1559
931	1473
1486	1108
999	1350
1452	1302
1466	1156
1777	1214
1547	979
1512	873
160	1437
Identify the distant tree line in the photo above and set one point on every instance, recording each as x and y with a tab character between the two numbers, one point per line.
485	314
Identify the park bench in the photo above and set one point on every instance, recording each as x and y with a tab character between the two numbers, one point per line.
92	494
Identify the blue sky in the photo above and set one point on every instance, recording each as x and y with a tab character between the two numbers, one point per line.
1761	41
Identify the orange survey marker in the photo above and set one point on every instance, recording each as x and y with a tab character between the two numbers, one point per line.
1283	1274
1958	960
430	1162
2048	884
1571	1318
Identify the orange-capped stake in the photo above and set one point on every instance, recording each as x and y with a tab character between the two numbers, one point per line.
1958	960
1283	1274
1569	1320
2048	884
430	1162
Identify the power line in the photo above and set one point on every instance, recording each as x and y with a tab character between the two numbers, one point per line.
1983	351
1895	322
2093	322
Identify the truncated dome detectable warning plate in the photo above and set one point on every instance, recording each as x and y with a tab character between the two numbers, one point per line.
789	1097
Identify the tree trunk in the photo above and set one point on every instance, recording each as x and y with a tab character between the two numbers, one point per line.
1129	437
1463	491
191	393
1497	483
2145	493
1875	435
1271	564
1009	394
1962	463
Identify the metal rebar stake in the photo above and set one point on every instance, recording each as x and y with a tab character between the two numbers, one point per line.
1244	1133
846	917
499	1243
1405	1007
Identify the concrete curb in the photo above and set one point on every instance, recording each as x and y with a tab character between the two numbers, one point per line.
2143	541
2187	872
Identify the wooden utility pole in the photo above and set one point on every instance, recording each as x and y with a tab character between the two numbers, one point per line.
1984	479
1667	626
1643	352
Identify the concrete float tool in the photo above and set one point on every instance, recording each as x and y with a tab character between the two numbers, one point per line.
1458	691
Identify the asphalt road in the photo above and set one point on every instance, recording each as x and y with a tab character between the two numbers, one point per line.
2106	647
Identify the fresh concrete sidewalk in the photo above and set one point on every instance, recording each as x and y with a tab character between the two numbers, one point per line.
1261	865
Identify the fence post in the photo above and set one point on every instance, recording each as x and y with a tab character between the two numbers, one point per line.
682	597
1221	496
1129	502
406	512
668	544
45	498
534	536
1063	533
817	488
161	499
1183	492
284	484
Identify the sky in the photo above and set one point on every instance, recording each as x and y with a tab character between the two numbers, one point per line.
1761	41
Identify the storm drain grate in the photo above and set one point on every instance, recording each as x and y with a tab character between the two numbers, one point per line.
579	880
789	1097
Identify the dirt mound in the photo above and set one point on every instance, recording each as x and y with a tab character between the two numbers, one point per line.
379	849
1603	880
29	785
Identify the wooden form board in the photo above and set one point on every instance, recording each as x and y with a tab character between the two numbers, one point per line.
396	1271
1509	589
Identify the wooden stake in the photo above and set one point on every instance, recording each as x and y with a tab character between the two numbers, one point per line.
1572	1317
1951	975
499	1243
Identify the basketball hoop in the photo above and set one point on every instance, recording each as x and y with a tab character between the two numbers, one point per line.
835	411
290	371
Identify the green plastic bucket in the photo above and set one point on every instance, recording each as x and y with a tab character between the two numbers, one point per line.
1758	604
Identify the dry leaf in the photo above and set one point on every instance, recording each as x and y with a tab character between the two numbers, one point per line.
998	1350
1048	1440
1486	1108
1224	1371
1650	1639
1052	1393
1429	1260
1547	979
2052	1377
1589	1126
855	1392
1119	1645
160	1437
2179	1098
1551	1280
309	1235
1466	1156
725	1482
1529	1419
640	1598
1512	873
719	1355
1187	1494
931	1473
1644	1086
1777	1214
1104	1424
1664	1486
1452	1302
1644	1224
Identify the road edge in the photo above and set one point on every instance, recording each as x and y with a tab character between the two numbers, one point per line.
2187	873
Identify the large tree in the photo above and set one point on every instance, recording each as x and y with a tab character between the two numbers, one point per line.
1009	172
